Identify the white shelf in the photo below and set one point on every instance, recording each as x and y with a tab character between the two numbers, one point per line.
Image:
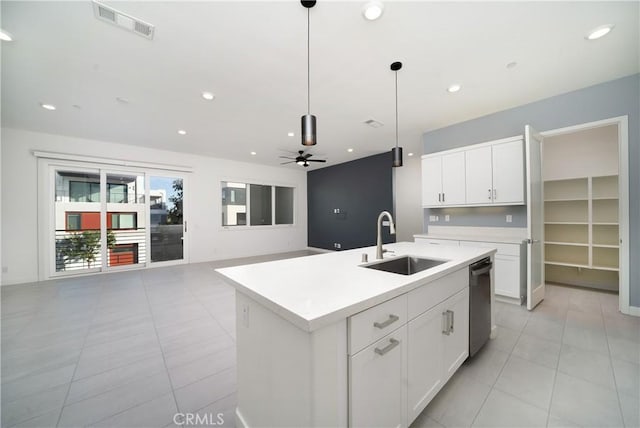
612	269
575	244
604	246
549	262
570	222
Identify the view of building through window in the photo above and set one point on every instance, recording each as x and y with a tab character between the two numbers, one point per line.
266	205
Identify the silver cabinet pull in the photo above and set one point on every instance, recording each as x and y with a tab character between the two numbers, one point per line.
451	320
495	194
489	194
392	344
445	323
443	196
387	323
439	197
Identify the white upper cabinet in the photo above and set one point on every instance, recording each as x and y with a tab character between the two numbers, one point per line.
508	172
443	180
432	181
483	174
479	179
453	191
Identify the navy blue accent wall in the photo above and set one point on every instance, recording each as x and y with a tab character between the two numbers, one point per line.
360	189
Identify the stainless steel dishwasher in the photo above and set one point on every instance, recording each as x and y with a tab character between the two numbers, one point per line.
479	304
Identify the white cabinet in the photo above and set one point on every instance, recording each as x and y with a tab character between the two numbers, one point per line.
483	174
495	174
456	343
377	383
443	180
393	378
479	179
508	172
438	343
432	181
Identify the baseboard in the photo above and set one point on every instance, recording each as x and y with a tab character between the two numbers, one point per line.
634	311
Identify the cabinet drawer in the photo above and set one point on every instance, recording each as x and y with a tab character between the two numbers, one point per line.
436	241
424	298
506	249
368	326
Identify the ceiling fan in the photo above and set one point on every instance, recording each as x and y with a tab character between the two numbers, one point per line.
302	159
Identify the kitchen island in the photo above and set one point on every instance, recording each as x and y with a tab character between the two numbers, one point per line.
324	341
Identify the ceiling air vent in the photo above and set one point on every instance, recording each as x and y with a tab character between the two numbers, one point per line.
122	20
373	123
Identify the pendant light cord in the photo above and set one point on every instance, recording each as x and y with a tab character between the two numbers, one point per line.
396	109
308	63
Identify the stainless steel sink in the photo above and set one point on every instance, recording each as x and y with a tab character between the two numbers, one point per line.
405	265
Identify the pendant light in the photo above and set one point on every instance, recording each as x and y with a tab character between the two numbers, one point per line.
396	152
308	121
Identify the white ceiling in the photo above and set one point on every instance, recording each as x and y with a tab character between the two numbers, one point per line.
252	55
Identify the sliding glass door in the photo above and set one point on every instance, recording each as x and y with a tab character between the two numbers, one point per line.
115	219
76	218
166	196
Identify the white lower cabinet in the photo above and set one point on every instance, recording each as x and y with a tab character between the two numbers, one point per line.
438	343
393	378
377	393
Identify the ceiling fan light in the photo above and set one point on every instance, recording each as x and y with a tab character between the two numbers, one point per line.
396	154
308	133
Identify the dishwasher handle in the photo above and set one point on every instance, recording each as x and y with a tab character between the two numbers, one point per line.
482	269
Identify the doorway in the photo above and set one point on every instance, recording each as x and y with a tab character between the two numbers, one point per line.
586	209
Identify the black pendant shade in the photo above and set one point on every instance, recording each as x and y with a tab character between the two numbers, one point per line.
396	155
308	121
396	152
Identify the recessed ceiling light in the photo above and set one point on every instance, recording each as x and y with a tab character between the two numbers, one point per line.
512	64
79	107
208	96
122	100
410	154
291	134
47	106
182	132
253	153
598	32
454	88
372	10
350	150
4	36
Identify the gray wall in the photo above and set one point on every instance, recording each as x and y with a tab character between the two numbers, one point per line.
619	97
360	189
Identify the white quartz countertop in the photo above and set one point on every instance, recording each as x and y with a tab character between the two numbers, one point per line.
315	291
476	238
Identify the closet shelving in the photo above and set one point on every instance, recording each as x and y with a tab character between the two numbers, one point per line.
581	223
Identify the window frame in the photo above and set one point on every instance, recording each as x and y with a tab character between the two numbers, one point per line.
249	226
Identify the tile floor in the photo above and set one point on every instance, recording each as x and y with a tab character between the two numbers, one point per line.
132	349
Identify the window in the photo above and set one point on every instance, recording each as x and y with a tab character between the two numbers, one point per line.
262	205
284	205
122	221
74	221
117	193
82	191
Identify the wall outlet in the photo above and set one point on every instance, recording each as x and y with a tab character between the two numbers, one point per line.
447	217
337	245
336	210
433	218
509	218
385	222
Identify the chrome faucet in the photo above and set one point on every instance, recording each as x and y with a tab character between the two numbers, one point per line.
392	230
